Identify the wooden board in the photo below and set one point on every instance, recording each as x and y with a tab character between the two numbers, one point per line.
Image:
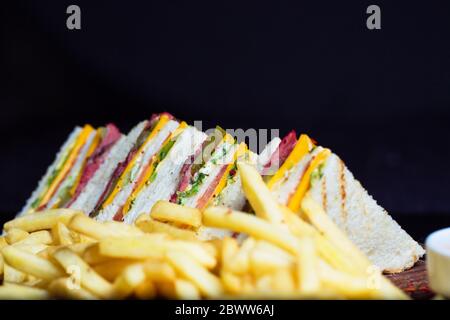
414	281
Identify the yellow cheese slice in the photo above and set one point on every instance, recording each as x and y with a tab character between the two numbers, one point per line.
150	169
296	199
91	150
302	148
161	123
80	141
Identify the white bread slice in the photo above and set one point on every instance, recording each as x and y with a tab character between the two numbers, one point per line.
167	173
72	137
108	213
366	223
267	152
90	195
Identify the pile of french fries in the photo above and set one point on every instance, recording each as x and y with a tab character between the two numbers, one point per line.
62	253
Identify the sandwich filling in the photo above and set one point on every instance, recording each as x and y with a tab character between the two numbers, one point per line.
109	135
62	168
292	180
165	172
208	180
149	173
128	171
66	189
280	155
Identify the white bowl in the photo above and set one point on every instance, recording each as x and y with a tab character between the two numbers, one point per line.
438	261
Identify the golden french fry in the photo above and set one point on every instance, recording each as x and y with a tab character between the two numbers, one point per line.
166	211
31	248
82	272
159	271
231	282
42	237
128	281
3	242
263	262
137	247
186	290
61	234
31	264
208	283
81	238
195	250
297	225
240	262
32	281
153	226
349	286
258	194
79	248
99	230
326	226
326	249
213	247
64	288
283	280
112	268
264	283
123	228
11	291
12	275
93	256
15	234
229	248
256	227
41	220
308	280
146	290
274	250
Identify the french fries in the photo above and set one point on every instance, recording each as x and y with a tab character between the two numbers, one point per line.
12	291
63	253
153	226
15	234
42	237
131	278
186	290
98	230
83	273
61	234
41	220
259	195
256	227
64	288
167	211
31	264
140	247
207	283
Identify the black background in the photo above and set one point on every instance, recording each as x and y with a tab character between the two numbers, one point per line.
380	99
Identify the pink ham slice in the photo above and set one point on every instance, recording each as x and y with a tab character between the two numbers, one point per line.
280	155
97	158
204	199
186	172
114	177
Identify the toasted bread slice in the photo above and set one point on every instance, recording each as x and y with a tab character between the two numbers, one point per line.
365	222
